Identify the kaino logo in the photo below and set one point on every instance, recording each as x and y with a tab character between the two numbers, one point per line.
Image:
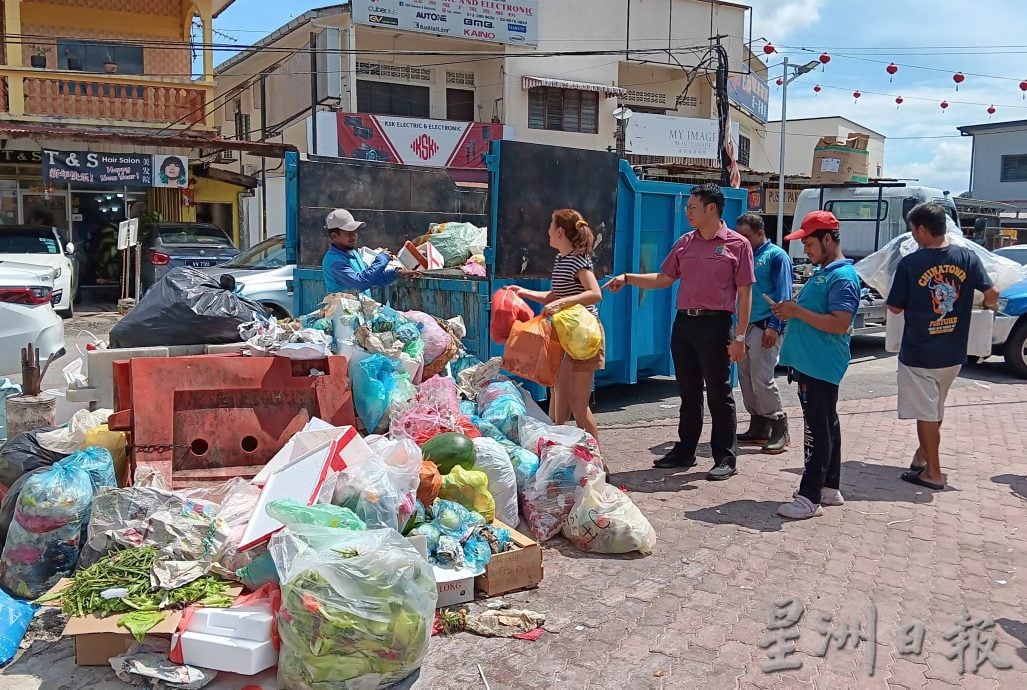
424	147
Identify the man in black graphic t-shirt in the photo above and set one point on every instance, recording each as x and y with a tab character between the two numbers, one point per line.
934	289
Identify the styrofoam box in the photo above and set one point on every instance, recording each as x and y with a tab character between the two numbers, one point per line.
229	654
240	622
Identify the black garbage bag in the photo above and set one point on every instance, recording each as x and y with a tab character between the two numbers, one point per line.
186	307
23	454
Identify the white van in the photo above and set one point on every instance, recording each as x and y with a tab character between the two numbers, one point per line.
871	215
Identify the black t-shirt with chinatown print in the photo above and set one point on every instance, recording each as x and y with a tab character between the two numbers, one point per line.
935	288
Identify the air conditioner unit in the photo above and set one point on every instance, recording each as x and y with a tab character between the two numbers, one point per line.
227	156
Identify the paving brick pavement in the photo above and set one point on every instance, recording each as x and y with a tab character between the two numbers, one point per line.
692	614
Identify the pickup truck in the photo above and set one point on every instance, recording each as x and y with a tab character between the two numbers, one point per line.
1009	338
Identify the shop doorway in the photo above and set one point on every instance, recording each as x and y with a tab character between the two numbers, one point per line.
94	218
216	214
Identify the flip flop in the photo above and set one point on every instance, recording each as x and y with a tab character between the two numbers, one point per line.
917	468
914	477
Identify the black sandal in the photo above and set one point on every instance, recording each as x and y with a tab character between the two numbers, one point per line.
913	477
917	468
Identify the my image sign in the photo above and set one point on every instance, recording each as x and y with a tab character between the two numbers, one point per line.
98	169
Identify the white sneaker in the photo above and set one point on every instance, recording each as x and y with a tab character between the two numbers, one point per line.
831	497
800	509
828	497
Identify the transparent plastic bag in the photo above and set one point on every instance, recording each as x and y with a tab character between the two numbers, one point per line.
579	332
605	520
878	269
436	339
357	609
493	460
525	463
560	479
368	491
45	536
494	391
535	435
378	382
469	488
67	439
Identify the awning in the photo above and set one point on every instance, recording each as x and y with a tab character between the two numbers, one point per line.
608	91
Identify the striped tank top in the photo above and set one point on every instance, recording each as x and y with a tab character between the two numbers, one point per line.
565	277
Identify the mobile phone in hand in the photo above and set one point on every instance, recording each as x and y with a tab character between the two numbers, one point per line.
769	301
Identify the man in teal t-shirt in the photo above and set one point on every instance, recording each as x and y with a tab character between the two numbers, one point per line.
816	348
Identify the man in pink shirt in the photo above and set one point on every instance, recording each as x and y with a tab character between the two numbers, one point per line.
715	267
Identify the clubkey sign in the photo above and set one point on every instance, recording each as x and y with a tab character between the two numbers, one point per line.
414	141
496	21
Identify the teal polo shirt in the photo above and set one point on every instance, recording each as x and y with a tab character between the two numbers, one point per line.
813	352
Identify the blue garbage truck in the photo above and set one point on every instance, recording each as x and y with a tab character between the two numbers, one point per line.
636	222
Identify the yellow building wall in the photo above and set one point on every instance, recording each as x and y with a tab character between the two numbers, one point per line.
96	19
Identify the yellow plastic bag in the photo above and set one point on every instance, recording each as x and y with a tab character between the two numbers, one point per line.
579	332
469	488
114	441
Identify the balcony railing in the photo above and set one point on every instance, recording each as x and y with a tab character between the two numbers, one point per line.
72	96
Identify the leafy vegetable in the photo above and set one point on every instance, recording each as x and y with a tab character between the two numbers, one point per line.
140	622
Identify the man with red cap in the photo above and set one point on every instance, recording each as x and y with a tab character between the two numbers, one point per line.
816	349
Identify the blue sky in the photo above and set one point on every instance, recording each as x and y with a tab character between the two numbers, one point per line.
929	41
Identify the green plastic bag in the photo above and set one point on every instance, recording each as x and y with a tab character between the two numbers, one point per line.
290	512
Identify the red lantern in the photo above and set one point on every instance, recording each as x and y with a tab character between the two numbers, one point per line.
816	89
991	111
779	81
891	69
1023	89
856	95
958	78
944	105
824	58
769	48
898	101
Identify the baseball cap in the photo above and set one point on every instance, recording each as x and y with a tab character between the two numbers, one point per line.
341	219
814	220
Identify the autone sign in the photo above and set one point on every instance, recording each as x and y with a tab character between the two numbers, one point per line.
415	141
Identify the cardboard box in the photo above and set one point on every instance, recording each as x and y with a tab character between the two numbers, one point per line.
839	162
455	586
98	639
519	568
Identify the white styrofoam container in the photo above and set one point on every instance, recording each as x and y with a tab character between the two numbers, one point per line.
239	622
455	586
229	654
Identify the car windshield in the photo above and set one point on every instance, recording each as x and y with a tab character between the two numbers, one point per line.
28	241
194	234
1017	254
268	254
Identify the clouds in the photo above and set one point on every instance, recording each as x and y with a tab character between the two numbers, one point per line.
779	20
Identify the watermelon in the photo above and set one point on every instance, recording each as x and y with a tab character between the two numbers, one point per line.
449	450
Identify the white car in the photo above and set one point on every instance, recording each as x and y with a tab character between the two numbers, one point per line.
44	246
27	314
262	274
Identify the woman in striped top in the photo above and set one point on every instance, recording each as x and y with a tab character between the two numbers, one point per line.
574	282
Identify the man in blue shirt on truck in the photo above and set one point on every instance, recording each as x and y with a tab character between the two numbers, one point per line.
768	424
816	348
342	268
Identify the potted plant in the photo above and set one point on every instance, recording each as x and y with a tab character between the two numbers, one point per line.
109	65
74	61
38	59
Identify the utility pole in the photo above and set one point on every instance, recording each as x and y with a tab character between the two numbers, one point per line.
722	110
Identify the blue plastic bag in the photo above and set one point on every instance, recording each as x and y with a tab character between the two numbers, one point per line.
525	463
259	572
98	463
468	408
15	617
477	553
45	536
377	382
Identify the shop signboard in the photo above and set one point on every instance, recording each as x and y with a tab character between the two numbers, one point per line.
756	199
116	170
669	135
514	22
415	141
750	93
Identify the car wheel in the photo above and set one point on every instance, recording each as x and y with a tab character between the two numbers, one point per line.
275	311
1016	350
69	312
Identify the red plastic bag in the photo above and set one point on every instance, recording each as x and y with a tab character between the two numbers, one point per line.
533	352
507	309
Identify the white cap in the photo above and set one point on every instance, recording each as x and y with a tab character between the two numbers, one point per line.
341	219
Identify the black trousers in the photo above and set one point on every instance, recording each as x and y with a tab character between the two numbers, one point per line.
822	446
699	346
